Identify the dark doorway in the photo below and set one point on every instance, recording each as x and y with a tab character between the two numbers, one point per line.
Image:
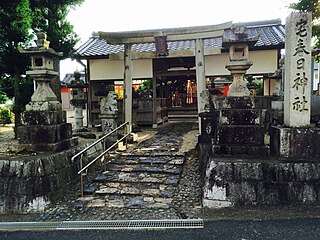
176	81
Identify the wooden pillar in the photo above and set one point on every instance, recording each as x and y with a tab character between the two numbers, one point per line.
200	75
154	101
128	85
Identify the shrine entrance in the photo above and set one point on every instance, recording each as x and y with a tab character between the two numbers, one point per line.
176	82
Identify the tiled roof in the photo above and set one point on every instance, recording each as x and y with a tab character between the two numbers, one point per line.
69	77
271	34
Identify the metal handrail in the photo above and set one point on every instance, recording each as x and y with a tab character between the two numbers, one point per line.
102	139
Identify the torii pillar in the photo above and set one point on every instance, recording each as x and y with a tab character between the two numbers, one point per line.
200	76
128	85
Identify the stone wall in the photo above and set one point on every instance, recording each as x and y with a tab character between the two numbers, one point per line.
29	183
243	181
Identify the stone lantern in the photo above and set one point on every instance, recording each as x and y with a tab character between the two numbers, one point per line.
238	45
44	126
79	99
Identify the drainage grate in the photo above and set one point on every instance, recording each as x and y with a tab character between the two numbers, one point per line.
120	224
93	225
184	223
132	224
28	225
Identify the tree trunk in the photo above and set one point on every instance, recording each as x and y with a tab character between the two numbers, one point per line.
17	102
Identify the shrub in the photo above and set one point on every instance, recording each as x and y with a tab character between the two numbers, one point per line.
6	115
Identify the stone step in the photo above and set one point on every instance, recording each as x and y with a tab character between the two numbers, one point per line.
136	177
137	189
148	168
170	159
125	201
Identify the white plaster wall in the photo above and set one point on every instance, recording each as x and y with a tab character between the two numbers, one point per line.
142	68
263	62
105	69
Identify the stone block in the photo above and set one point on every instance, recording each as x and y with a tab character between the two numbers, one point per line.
51	147
239	134
239	117
277	105
233	103
33	134
295	143
44	117
241	150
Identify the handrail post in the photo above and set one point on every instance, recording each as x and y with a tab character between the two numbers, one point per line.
104	156
127	129
81	175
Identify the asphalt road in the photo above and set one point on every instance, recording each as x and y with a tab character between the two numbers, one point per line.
301	229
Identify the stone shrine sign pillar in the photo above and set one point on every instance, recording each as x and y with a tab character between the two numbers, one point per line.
297	87
297	139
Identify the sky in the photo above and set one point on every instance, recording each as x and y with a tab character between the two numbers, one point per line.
130	15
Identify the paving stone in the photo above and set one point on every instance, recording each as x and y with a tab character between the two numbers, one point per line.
107	190
115	204
151	192
129	190
96	203
89	190
135	202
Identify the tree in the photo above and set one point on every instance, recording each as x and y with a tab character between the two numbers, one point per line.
50	17
15	23
312	6
18	19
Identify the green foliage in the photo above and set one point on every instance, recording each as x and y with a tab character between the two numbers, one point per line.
50	16
6	115
15	23
259	87
147	84
6	86
312	6
3	98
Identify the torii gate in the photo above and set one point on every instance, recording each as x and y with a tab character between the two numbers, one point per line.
175	34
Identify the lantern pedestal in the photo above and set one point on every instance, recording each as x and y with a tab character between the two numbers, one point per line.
44	126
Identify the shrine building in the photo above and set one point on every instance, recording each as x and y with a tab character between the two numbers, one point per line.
179	64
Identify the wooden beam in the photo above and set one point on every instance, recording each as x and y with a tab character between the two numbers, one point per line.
176	73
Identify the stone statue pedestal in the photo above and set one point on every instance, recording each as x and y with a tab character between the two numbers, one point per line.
109	123
108	116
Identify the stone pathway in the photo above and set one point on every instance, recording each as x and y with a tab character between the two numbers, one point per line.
159	179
